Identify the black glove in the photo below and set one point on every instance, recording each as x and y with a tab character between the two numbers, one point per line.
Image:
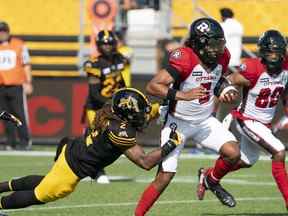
173	142
9	117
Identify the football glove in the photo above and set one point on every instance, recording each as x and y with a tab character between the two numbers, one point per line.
9	117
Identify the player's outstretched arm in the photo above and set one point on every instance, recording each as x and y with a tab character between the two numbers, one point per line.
148	160
159	86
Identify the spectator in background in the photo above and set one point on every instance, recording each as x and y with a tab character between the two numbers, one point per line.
15	84
233	31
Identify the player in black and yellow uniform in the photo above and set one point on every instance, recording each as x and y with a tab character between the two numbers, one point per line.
114	133
105	76
104	73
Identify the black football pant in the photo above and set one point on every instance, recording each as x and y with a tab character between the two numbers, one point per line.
13	100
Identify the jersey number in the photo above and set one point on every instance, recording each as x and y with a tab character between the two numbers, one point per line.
267	98
110	85
206	98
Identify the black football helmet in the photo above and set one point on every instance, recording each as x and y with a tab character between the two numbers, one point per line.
272	50
206	38
132	106
106	42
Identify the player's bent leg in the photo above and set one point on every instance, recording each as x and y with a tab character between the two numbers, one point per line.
210	178
153	191
21	184
58	183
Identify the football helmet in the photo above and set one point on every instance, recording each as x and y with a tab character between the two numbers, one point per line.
206	38
132	106
272	50
106	42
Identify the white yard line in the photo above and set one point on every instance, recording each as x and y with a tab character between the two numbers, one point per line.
52	154
123	204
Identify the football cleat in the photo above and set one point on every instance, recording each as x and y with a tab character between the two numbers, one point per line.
222	195
103	179
201	189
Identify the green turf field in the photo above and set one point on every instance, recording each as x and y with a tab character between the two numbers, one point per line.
253	188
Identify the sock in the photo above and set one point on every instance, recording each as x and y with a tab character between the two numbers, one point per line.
149	196
221	168
19	199
25	183
5	187
280	176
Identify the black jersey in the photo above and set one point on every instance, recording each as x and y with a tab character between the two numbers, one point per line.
87	155
109	72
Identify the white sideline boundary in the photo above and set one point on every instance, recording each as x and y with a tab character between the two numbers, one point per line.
124	204
52	154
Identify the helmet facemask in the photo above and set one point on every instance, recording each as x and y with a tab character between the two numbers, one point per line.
106	43
273	60
212	50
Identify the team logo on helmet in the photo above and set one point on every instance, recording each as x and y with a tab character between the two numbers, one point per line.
203	27
129	103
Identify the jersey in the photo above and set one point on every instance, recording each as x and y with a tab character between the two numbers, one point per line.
109	72
88	154
184	66
260	99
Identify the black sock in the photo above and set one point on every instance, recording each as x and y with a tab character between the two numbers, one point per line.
19	199
26	183
4	187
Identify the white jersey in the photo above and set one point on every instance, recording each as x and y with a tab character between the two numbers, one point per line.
261	97
185	67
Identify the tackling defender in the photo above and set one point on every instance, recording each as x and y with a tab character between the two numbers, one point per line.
114	134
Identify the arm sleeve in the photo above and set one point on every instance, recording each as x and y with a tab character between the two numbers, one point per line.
248	70
180	64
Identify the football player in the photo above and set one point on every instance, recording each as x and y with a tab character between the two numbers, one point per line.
104	78
114	134
264	81
195	71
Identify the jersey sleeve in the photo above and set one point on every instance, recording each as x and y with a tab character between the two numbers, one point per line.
91	68
180	63
248	69
121	134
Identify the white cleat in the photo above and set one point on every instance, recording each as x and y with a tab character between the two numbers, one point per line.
103	179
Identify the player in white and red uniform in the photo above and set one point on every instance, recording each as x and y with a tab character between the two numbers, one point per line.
265	82
194	75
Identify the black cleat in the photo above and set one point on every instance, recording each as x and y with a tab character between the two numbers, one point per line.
223	196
